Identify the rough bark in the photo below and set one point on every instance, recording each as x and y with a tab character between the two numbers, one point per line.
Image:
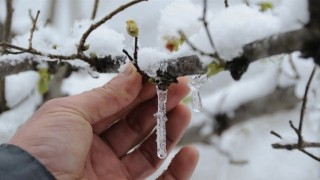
182	66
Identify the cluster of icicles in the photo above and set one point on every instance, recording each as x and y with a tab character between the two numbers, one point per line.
195	84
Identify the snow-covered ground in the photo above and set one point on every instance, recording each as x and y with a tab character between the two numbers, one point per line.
231	28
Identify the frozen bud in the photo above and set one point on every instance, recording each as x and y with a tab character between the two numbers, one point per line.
132	28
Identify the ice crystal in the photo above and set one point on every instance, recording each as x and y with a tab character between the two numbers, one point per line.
195	84
161	123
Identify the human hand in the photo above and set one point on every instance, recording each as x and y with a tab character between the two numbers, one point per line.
91	135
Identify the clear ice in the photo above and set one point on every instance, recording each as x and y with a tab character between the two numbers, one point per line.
195	84
161	123
93	73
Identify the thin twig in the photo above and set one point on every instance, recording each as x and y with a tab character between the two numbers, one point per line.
136	48
36	52
293	66
310	155
95	8
296	145
305	98
33	28
135	63
100	22
205	25
226	3
7	26
8	21
6	37
246	2
276	134
300	138
196	49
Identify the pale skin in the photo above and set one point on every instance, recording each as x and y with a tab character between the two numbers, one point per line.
91	135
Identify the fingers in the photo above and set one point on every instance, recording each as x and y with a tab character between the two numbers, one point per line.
182	165
105	101
147	92
141	121
145	158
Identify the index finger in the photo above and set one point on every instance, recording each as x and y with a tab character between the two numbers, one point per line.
109	99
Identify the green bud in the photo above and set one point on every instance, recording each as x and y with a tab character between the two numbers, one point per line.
93	55
264	6
44	81
152	80
214	68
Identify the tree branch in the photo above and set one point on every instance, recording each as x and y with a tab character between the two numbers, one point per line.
305	40
6	37
305	99
296	145
301	144
279	100
8	21
33	28
95	8
182	66
103	20
226	3
283	43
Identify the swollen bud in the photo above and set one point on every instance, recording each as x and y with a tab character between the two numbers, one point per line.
265	6
132	28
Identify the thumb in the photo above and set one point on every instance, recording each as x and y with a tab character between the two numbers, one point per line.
109	99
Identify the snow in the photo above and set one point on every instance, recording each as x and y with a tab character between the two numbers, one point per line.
246	90
19	86
251	141
186	20
230	28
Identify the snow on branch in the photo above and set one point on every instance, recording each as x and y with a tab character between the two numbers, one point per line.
305	40
81	46
182	66
284	43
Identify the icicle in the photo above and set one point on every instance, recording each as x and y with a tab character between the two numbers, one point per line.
93	73
161	123
195	85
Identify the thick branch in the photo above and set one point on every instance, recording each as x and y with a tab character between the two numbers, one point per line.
304	40
182	66
284	43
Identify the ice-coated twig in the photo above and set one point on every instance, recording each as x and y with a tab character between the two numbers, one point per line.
161	123
195	84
